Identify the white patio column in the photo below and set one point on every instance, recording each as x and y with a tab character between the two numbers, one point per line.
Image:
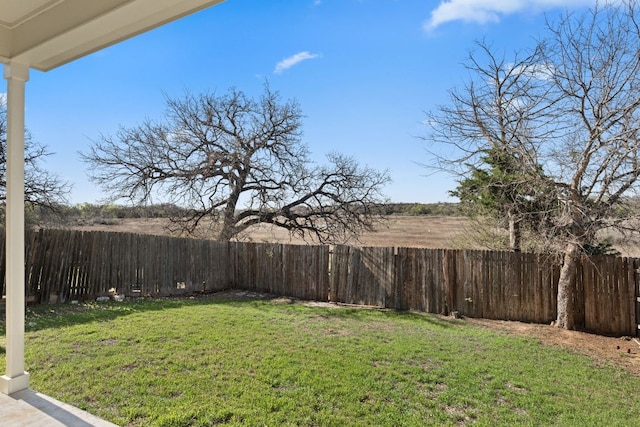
16	378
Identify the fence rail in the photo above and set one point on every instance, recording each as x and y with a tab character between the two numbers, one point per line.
63	265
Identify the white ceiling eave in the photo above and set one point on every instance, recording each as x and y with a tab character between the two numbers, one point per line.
55	37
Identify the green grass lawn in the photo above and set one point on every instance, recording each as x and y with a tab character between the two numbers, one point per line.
207	362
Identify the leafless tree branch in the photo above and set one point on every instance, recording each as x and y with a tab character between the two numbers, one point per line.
239	162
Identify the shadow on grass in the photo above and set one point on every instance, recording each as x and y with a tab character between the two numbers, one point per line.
60	315
363	313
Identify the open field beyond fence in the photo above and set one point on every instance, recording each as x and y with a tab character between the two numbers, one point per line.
413	231
64	265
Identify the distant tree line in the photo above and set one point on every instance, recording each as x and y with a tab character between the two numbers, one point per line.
63	214
426	209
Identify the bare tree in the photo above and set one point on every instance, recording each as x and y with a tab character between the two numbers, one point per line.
579	144
596	62
238	162
495	124
42	188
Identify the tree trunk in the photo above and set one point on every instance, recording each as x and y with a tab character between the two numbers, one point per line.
228	224
566	287
515	236
237	181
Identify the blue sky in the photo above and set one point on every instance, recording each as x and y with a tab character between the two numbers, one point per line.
364	72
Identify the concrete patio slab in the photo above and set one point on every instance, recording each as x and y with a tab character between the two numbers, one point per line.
28	408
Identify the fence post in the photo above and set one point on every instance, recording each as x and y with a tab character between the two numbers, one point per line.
636	287
450	280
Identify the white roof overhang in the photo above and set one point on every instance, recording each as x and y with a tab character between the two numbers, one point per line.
44	34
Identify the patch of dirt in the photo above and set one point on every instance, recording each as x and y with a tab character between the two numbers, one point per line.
623	352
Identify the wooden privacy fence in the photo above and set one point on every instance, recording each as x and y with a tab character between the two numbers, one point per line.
488	284
64	265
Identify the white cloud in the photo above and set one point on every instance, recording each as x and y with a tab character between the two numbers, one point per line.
289	62
3	99
487	11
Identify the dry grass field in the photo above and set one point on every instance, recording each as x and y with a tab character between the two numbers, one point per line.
421	231
395	230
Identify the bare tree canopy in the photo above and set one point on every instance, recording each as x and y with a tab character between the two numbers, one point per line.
236	162
42	188
567	118
490	123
